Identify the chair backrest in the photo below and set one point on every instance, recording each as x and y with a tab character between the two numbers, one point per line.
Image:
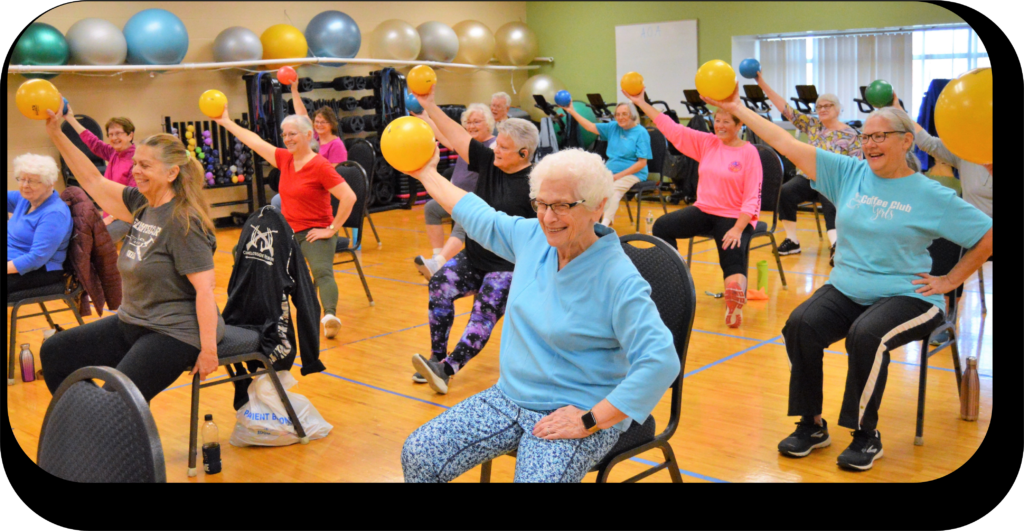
355	176
362	151
771	181
100	435
76	139
675	297
659	146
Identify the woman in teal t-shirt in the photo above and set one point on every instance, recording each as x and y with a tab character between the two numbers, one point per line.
879	295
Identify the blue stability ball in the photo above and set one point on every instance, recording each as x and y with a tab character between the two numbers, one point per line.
563	98
749	68
412	104
155	37
333	34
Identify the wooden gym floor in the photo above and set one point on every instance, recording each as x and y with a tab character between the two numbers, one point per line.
734	398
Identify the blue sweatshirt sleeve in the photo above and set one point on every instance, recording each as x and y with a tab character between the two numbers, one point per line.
12	201
495	231
49	234
650	349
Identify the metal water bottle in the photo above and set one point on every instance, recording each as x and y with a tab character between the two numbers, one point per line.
211	447
649	228
27	363
969	390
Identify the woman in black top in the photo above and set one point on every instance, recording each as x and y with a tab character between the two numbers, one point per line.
504	184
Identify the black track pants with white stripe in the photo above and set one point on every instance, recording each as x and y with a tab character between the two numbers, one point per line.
870	333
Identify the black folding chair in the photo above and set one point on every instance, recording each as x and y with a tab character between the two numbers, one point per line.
355	176
69	291
361	150
947	325
76	139
673	294
659	145
771	190
94	434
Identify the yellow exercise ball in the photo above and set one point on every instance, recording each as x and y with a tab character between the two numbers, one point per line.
963	116
476	43
420	79
407	144
716	80
283	41
35	96
516	44
395	39
632	83
543	85
212	104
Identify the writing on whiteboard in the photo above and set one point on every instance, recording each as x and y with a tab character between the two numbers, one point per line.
650	32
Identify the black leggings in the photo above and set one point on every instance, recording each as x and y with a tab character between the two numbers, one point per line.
798	190
33	279
691	221
152	361
870	332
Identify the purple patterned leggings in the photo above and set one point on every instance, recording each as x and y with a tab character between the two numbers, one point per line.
459	279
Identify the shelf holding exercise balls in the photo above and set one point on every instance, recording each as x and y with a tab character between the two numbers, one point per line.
39	45
36	96
632	83
716	80
420	79
963	116
212	104
155	37
407	144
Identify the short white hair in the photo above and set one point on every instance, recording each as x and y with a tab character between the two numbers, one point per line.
304	125
901	122
39	165
591	180
506	97
478	108
523	134
831	98
632	109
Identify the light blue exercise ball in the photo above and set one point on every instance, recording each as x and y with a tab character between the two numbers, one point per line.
412	104
333	34
155	37
749	68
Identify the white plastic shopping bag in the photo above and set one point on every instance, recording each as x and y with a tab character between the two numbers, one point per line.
264	421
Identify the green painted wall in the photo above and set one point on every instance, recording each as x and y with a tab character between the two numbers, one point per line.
581	35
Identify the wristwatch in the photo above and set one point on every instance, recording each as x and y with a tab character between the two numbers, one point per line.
589	422
332	228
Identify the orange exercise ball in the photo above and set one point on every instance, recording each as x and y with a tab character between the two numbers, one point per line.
212	104
420	79
963	116
716	80
632	83
407	144
35	96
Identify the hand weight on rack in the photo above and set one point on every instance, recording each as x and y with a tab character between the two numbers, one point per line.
348	103
344	83
368	102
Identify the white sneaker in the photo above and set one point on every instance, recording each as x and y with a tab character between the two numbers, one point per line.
332	325
427	266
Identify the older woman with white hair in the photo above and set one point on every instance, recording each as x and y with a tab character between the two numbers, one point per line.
500	104
503	183
478	121
584	351
880	295
39	228
825	132
629	149
308	181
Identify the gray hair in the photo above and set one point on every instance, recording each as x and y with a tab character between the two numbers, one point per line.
632	109
831	98
899	120
304	125
41	165
523	134
483	110
506	97
591	180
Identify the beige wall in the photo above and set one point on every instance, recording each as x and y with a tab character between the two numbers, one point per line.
146	100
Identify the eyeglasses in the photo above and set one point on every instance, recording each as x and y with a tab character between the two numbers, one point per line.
113	134
826	106
878	137
22	181
560	209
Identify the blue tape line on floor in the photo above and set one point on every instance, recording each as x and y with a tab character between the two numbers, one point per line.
769	269
731	356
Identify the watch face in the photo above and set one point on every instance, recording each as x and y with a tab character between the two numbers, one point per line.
589	421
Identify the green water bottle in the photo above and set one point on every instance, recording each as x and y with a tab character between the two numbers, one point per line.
762	274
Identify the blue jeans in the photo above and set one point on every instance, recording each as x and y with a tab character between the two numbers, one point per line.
488	425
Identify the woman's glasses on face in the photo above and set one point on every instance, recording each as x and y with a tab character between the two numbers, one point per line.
558	208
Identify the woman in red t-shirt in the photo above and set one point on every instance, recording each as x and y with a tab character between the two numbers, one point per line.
308	181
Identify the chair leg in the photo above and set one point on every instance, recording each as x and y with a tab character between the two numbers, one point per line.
14	341
74	309
485	472
664	204
981	287
46	313
639	201
193	435
956	357
628	211
689	254
778	260
303	438
670	458
817	220
359	269
374	229
922	384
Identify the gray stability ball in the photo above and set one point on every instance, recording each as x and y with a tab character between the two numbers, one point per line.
237	44
94	41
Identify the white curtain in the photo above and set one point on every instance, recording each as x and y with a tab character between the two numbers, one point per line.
783	66
844	64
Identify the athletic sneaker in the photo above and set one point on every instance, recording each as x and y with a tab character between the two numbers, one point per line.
862	452
427	266
332	325
735	298
789	247
939	338
418	378
807	437
434	373
832	256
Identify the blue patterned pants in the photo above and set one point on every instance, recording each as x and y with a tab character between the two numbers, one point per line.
488	425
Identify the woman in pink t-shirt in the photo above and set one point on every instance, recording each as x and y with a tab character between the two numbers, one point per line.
728	196
325	129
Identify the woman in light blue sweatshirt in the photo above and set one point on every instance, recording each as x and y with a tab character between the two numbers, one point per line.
584	350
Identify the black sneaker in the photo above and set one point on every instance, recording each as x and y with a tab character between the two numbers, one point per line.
789	247
832	256
434	373
862	452
807	437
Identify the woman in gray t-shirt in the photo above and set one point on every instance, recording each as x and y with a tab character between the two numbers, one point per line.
168	320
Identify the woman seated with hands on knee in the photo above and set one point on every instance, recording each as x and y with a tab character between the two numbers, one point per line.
879	295
629	149
168	320
584	350
39	228
728	196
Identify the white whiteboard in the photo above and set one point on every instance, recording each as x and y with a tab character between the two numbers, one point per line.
665	53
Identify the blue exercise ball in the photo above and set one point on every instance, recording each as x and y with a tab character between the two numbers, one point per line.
333	34
155	37
563	98
749	68
412	104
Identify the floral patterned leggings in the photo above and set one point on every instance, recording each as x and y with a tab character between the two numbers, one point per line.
459	279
